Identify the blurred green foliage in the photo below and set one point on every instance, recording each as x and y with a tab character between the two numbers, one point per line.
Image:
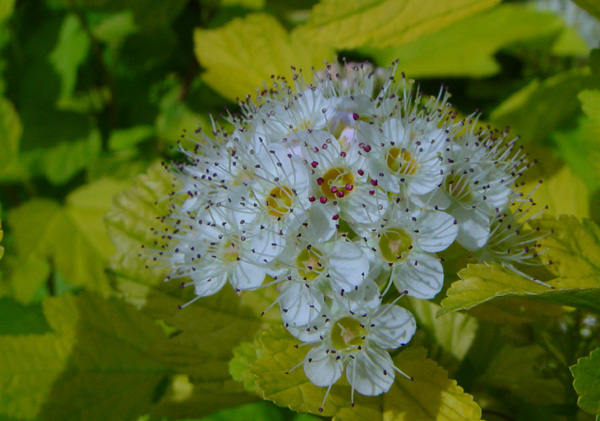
94	92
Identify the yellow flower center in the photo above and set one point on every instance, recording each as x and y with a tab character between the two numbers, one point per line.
279	201
309	263
458	188
401	161
394	244
347	332
231	250
337	180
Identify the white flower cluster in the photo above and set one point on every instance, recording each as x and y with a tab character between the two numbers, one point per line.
334	191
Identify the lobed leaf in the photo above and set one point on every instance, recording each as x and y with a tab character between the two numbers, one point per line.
346	24
10	132
245	53
587	382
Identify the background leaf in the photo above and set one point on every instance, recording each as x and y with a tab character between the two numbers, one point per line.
43	375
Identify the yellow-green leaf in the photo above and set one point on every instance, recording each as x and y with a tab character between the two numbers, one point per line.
467	47
208	330
24	275
561	190
73	236
61	372
481	283
243	54
514	369
430	396
384	23
574	250
587	382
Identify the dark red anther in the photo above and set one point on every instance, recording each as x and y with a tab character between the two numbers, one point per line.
371	192
312	199
349	187
361	172
373	182
334	189
335	217
367	148
320	181
355	116
323	199
340	193
314	164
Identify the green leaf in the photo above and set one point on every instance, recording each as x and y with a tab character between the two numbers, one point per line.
6	9
115	27
256	411
587	382
517	369
534	111
243	54
72	236
10	132
430	396
481	283
346	24
19	319
580	147
467	47
25	274
126	138
42	375
70	52
1	236
63	161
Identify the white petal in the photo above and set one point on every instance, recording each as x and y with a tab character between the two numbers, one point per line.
299	304
422	280
348	266
437	231
265	246
209	285
371	372
366	297
248	276
322	368
362	207
394	327
473	228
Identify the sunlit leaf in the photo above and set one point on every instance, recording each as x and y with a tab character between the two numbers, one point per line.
467	47
61	372
6	9
380	24
115	27
10	132
430	396
562	191
243	54
1	236
518	370
24	274
587	382
70	52
481	283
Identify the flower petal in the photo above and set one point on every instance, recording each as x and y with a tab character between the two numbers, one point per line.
394	326
371	372
422	276
322	368
299	303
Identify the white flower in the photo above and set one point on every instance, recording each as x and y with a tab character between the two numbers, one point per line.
357	343
318	269
404	241
339	179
